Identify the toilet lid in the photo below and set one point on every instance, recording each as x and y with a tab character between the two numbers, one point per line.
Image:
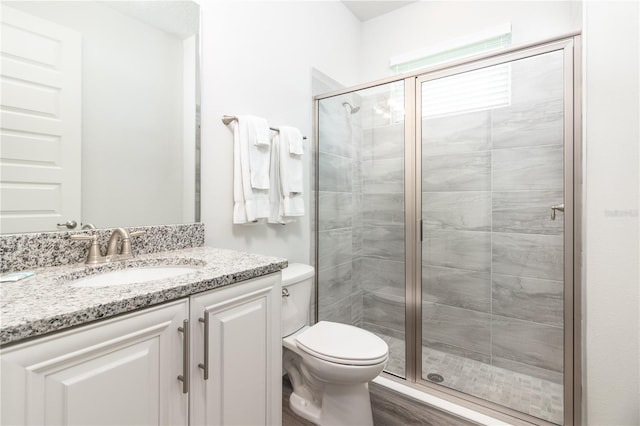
342	344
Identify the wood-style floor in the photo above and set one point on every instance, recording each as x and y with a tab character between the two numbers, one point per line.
389	409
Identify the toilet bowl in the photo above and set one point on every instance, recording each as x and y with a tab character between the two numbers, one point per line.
329	364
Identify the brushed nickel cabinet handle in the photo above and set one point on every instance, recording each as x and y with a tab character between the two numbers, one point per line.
205	365
184	378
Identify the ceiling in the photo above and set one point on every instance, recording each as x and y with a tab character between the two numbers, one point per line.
181	18
365	10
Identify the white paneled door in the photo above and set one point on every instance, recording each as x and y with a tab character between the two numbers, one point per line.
41	123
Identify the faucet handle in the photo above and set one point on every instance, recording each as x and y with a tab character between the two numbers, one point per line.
94	255
125	250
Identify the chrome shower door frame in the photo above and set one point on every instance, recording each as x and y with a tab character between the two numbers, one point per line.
573	195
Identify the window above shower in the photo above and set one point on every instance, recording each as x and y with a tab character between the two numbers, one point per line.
494	38
481	90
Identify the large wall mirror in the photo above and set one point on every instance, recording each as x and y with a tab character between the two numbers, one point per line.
100	115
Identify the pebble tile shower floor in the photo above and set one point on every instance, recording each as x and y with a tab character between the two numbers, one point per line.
531	395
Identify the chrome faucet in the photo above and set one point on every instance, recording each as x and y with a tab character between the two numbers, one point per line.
95	256
125	246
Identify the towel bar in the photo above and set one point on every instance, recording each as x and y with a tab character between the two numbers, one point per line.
227	119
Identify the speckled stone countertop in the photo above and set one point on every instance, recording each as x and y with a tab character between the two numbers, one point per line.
47	302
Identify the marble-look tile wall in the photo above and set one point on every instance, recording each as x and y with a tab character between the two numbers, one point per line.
382	260
492	257
338	196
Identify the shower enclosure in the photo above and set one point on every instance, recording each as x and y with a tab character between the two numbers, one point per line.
446	224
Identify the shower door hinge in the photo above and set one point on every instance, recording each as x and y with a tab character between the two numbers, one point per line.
420	225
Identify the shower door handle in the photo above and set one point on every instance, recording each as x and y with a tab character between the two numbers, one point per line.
559	207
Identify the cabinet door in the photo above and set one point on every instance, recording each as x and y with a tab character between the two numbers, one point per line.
121	371
244	384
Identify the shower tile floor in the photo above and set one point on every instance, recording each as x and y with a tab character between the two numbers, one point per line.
531	395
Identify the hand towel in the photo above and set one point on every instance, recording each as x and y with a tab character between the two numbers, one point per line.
249	204
291	173
290	163
295	140
256	131
275	193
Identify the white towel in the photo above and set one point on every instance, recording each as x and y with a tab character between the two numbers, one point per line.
256	131
250	204
295	140
290	163
291	172
275	194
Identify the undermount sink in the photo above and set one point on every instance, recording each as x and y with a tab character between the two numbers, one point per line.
138	275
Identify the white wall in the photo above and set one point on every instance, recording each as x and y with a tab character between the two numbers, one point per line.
257	59
611	53
427	23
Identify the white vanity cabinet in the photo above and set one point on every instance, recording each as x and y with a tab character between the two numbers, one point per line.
121	371
238	346
124	370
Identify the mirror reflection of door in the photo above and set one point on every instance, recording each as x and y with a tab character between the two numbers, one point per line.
41	124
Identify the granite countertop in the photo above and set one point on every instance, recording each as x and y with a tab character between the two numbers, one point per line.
47	302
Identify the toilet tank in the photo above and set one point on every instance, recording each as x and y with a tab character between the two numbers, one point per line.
297	283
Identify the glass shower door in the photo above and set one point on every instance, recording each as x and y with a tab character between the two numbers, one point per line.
492	198
360	214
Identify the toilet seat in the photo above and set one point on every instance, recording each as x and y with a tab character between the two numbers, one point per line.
342	344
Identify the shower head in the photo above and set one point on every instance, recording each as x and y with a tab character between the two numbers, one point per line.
352	109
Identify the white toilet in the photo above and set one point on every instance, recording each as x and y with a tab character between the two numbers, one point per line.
329	364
